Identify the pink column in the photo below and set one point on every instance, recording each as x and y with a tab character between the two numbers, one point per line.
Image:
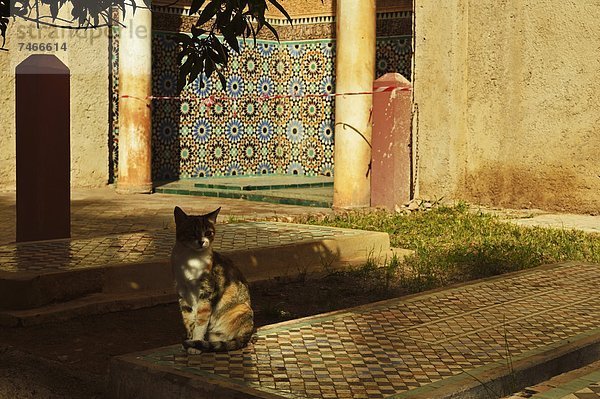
391	152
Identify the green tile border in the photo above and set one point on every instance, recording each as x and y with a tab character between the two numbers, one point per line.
555	393
259	187
593	377
239	194
570	387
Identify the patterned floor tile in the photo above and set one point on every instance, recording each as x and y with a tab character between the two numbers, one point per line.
390	348
51	256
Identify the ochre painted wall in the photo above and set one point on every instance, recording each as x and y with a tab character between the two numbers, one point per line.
327	7
87	58
508	102
305	8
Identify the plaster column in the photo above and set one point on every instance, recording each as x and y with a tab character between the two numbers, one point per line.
355	72
135	86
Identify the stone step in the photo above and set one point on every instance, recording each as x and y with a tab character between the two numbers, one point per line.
43	274
96	303
302	194
256	183
316	197
483	339
106	302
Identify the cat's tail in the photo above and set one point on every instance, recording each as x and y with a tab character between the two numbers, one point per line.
218	346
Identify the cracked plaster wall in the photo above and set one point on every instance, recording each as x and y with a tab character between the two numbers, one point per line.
508	102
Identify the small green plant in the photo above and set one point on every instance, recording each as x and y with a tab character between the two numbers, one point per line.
392	268
234	219
276	311
327	262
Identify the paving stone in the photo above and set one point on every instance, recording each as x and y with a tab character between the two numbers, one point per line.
402	345
52	256
100	211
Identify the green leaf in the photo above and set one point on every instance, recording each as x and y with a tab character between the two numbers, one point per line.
209	67
238	24
198	31
282	10
196	6
54	10
216	55
251	28
231	39
181	38
180	57
224	17
222	79
219	48
209	11
257	8
197	68
184	71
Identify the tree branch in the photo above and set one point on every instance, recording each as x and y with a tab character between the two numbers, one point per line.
66	26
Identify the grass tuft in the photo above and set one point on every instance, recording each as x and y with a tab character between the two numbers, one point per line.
453	244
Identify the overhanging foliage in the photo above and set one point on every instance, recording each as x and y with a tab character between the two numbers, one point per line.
202	51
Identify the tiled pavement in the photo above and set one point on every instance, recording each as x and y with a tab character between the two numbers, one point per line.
427	350
57	255
395	349
100	212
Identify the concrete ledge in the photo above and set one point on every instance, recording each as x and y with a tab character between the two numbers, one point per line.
26	290
310	257
34	295
130	378
89	305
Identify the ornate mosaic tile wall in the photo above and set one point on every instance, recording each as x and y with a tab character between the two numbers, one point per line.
240	133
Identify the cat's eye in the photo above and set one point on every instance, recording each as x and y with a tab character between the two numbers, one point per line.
208	234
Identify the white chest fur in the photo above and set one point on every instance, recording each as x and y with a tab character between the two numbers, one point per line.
195	267
189	264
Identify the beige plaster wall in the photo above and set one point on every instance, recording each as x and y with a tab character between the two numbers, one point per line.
508	101
87	58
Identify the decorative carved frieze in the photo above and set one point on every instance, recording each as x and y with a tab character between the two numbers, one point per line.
388	24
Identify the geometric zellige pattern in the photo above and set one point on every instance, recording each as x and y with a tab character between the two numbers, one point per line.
247	131
52	256
592	391
389	348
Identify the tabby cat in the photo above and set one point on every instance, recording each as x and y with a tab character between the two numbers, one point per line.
213	294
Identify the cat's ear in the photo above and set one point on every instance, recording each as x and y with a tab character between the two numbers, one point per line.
180	215
212	217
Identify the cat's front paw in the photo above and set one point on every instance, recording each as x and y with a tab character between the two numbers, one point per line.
193	351
188	346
